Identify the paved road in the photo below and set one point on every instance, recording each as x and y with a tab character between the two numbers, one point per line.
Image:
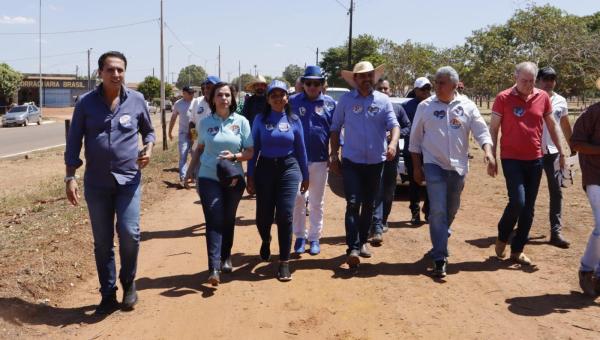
16	140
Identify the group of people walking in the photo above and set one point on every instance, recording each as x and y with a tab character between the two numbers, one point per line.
291	143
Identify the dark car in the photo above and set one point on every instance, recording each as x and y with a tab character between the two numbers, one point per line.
22	115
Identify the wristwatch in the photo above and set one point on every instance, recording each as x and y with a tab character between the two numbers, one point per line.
234	159
70	178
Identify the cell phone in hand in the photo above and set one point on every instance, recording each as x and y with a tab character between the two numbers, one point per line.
142	152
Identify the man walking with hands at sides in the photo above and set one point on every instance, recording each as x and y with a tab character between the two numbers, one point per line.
109	119
439	146
183	109
521	111
366	115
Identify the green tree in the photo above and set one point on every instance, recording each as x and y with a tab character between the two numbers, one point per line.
245	79
291	73
10	81
150	88
191	75
406	62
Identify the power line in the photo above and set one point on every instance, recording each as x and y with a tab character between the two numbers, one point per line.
341	4
180	42
46	56
85	30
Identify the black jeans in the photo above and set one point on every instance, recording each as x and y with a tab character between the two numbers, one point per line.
385	196
555	192
414	189
220	206
277	181
361	182
522	183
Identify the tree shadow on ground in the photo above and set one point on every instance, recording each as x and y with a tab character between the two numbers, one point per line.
192	231
19	312
541	305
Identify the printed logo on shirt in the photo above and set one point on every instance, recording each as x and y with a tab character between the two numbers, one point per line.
357	108
235	129
201	109
213	130
459	111
518	111
319	110
373	110
284	127
439	114
125	120
455	123
302	110
329	106
557	114
269	127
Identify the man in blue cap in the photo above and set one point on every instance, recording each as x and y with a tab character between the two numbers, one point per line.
202	107
316	112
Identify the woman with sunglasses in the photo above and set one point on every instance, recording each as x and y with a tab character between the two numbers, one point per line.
277	168
224	141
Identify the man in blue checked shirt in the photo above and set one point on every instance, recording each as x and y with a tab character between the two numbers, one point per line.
109	120
316	112
365	115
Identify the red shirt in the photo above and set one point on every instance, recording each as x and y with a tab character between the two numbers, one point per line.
522	123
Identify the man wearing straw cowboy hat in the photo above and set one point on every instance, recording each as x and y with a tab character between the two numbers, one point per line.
366	115
257	101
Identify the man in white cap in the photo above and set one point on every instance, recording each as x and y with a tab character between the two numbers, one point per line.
365	115
258	101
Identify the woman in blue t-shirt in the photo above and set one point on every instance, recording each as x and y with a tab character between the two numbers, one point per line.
278	167
224	141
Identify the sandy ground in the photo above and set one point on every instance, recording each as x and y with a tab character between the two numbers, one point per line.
391	296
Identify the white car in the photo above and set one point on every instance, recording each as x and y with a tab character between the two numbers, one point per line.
402	173
336	92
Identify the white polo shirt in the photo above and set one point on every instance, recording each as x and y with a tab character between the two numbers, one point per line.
559	110
202	110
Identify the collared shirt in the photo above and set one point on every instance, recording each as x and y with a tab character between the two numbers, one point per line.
111	137
253	106
441	131
217	135
184	110
587	130
316	117
201	108
365	121
521	123
559	109
278	136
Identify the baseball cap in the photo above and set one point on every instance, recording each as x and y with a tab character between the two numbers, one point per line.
421	82
188	89
212	80
277	84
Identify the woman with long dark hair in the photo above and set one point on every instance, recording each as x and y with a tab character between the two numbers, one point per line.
278	167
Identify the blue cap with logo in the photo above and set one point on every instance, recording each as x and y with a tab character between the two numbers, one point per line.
312	72
277	85
212	80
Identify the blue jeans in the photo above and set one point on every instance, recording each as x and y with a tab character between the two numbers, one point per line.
185	145
443	189
361	182
276	181
555	191
220	206
104	203
385	196
522	183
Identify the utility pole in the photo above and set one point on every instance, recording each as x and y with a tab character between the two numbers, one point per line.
41	100
76	71
169	63
317	57
350	11
219	61
163	115
239	78
153	72
255	71
89	51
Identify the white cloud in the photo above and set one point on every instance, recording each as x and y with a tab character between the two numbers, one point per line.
5	19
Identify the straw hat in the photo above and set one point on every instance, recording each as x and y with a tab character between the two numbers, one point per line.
362	67
258	80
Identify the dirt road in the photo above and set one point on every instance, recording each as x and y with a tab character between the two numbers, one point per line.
391	296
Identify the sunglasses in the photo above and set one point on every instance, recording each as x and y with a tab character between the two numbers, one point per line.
313	83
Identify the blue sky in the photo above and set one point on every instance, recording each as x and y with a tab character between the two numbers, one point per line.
267	33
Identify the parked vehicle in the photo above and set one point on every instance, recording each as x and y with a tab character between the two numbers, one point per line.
402	172
21	115
151	108
336	92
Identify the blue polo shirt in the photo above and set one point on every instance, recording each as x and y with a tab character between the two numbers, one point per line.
217	134
278	136
316	117
365	121
111	137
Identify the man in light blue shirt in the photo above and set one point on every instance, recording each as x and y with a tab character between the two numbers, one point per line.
439	146
365	115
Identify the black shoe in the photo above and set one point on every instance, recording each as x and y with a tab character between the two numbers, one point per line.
130	297
364	251
108	305
586	282
214	277
377	239
416	218
439	268
226	266
559	241
353	259
283	274
265	251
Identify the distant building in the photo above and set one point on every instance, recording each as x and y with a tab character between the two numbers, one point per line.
60	90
